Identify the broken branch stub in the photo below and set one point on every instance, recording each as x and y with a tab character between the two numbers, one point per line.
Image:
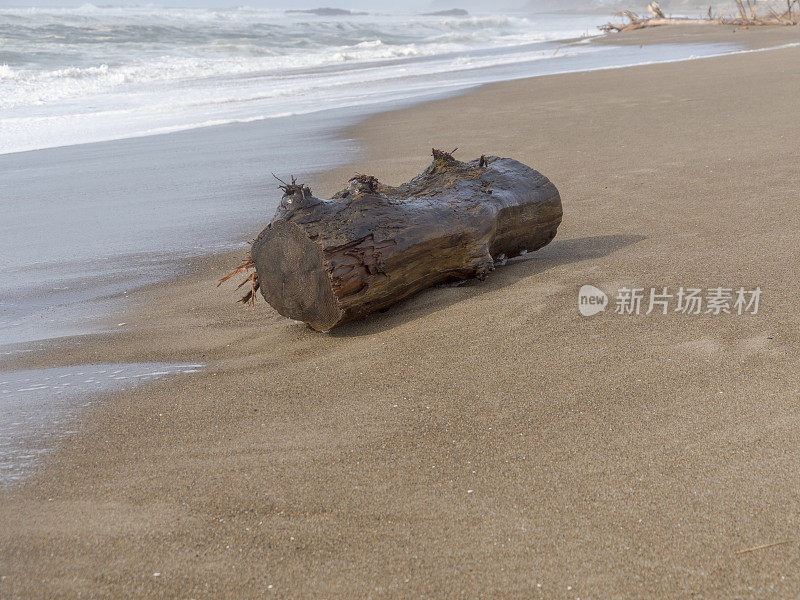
326	262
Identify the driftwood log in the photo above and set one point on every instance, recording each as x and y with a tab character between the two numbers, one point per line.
326	262
747	17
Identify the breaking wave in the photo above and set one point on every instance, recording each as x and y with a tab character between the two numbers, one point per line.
60	63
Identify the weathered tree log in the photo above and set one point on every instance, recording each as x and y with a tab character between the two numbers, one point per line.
747	17
655	10
326	262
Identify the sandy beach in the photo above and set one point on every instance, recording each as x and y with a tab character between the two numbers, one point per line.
484	440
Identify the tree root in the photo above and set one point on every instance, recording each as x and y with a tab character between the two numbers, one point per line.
293	188
252	278
367	184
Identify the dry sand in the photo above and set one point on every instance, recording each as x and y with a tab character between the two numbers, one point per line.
485	440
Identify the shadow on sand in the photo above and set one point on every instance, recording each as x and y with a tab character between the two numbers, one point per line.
557	253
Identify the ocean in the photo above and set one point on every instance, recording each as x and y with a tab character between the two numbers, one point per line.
70	76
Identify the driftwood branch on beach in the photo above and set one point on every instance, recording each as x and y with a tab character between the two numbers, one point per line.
327	262
251	277
747	17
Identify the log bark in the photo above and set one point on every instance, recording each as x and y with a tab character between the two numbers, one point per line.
327	262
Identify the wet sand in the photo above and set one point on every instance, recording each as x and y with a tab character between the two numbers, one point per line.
485	440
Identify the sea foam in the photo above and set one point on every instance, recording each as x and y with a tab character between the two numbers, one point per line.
75	75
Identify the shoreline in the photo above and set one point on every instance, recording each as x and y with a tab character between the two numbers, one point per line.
319	396
754	38
762	39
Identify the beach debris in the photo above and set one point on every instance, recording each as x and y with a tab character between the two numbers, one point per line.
655	9
247	266
327	262
765	546
746	9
